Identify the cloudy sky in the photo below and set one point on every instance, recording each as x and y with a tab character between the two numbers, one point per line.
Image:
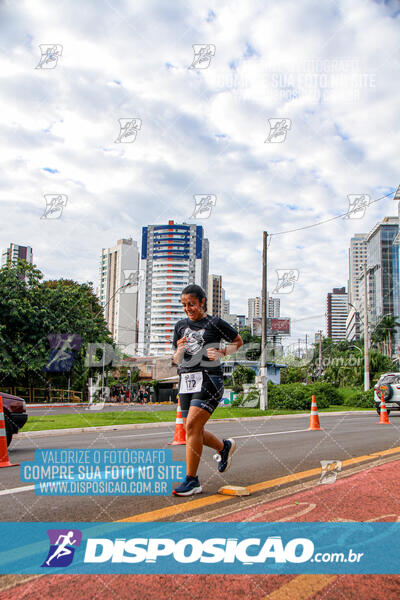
327	71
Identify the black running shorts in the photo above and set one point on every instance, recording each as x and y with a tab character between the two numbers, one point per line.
207	398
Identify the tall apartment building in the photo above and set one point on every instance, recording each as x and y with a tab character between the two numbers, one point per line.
214	296
10	255
171	258
119	266
274	307
205	264
226	304
336	314
357	259
254	306
383	270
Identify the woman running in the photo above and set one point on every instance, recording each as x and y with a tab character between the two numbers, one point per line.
197	352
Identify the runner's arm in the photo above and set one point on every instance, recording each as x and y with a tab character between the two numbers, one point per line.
231	348
180	350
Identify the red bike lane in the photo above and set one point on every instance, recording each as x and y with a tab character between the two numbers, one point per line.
371	495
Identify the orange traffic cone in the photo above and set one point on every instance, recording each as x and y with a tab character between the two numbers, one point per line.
4	462
179	435
384	417
314	419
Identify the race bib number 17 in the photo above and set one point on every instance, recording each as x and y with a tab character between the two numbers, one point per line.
191	382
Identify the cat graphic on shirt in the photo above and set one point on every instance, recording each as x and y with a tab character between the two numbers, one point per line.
195	340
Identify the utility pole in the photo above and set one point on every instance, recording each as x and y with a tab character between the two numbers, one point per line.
366	344
306	348
320	354
264	321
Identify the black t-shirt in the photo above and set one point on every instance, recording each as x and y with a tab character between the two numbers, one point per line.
202	335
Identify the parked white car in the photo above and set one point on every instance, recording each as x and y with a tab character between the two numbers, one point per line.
388	385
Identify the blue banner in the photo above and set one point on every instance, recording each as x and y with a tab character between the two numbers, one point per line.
200	548
103	472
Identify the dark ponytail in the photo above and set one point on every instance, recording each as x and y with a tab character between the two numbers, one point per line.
197	291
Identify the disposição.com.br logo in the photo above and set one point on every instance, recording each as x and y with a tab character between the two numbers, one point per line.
62	547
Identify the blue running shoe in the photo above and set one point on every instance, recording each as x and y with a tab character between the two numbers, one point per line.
190	486
224	458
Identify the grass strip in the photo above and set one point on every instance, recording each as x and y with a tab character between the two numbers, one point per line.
124	417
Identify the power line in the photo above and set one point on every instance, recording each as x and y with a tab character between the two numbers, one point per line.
327	220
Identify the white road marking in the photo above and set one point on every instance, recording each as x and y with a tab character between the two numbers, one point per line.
140	435
25	488
235	436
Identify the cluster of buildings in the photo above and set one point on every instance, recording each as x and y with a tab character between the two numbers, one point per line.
140	284
374	273
140	287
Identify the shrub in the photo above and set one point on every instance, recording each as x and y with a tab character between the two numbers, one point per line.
361	399
291	396
326	394
296	396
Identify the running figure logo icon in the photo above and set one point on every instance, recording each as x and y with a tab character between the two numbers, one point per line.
50	53
358	204
62	542
203	205
133	279
330	470
128	129
55	204
286	281
278	129
62	351
203	54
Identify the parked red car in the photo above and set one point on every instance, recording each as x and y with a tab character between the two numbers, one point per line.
15	415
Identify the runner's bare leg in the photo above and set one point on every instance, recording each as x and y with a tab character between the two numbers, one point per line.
196	436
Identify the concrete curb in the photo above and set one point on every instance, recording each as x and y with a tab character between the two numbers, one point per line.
128	426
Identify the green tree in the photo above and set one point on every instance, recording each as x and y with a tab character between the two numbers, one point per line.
379	364
245	334
30	310
242	374
293	374
385	329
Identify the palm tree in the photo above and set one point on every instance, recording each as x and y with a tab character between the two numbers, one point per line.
385	329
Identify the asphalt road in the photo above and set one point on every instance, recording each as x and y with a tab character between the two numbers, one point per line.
266	449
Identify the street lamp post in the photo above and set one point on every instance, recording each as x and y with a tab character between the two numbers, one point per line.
264	321
366	341
366	333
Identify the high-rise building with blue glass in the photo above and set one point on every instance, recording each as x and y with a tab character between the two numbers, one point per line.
172	256
383	270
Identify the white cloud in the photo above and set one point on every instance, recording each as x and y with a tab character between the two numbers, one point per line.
325	66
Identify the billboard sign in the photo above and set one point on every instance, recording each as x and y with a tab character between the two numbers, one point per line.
278	326
275	326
